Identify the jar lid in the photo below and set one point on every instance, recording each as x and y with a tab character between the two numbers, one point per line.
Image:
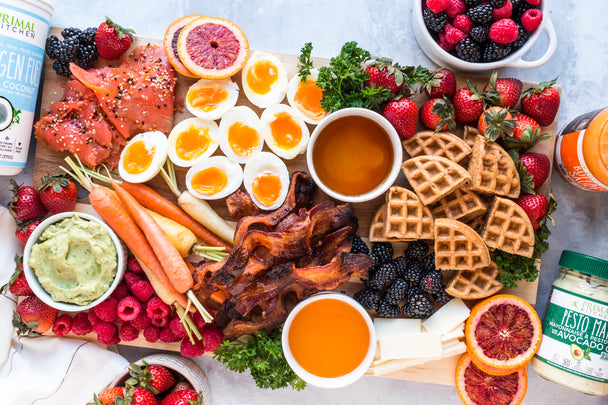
584	263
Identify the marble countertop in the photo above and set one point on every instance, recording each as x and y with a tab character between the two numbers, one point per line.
384	28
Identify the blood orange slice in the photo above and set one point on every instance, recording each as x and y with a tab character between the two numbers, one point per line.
170	43
212	48
475	387
489	369
503	332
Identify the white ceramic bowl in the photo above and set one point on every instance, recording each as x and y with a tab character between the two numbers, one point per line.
41	293
444	58
395	142
323	382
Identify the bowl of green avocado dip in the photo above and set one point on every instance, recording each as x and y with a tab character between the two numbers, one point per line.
73	261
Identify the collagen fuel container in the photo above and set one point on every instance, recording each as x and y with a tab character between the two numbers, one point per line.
24	27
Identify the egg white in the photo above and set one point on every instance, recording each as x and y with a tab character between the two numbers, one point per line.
261	163
223	107
245	116
153	140
277	90
186	125
233	171
292	89
268	116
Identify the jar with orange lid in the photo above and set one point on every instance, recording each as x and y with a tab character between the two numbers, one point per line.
581	151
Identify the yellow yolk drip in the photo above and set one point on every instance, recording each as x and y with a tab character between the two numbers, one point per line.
138	157
266	188
242	139
209	181
192	143
285	131
262	76
206	98
308	99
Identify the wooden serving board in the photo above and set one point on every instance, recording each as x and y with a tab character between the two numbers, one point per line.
47	161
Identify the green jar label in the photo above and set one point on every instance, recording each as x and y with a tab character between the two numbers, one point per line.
575	335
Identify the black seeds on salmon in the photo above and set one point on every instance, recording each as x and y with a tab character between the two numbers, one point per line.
358	246
383	251
368	298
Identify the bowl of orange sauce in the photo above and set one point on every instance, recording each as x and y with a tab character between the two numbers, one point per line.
329	340
354	155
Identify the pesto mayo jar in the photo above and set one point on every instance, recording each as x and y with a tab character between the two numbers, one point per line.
574	349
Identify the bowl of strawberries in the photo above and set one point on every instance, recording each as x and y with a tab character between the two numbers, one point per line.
474	35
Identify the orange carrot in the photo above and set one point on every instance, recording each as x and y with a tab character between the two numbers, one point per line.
218	296
152	200
113	212
172	262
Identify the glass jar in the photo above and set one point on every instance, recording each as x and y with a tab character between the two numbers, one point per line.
574	349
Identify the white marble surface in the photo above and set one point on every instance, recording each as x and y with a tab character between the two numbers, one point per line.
384	28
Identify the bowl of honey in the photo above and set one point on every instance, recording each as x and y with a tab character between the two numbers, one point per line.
329	340
354	155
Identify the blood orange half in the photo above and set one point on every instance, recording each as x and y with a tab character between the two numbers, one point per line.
489	369
476	387
170	43
503	332
212	48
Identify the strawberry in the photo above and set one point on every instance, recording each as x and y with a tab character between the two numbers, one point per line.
109	395
525	134
441	84
112	40
403	115
541	103
383	73
162	379
58	193
25	229
535	206
18	284
496	122
26	203
537	165
468	104
504	92
183	397
438	114
33	316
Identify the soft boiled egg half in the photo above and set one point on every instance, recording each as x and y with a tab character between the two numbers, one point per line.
240	134
266	179
213	178
192	140
284	131
143	157
305	97
211	99
264	79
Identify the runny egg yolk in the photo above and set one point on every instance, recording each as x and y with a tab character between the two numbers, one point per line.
286	131
242	139
261	76
209	181
266	188
138	157
206	98
308	97
192	143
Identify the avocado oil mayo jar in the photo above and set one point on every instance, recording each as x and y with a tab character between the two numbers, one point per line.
574	349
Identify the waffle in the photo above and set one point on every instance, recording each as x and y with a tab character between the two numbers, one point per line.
470	134
476	223
406	218
462	204
508	228
475	284
492	170
458	246
376	228
433	177
444	144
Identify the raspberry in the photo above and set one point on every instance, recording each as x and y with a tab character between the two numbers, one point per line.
455	7
198	320
134	266
156	308
167	336
503	12
62	325
109	341
531	19
151	333
178	328
128	333
445	45
141	322
131	277
106	310
92	317
104	330
437	6
160	322
504	31
121	291
533	2
463	23
142	289
81	325
128	309
188	349
453	35
212	336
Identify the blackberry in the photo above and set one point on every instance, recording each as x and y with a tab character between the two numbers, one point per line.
401	265
416	250
432	282
383	251
442	297
419	306
413	274
62	68
368	298
428	263
467	49
51	45
88	35
497	3
480	33
481	14
358	246
522	37
434	22
67	51
87	55
396	292
387	310
471	3
384	276
71	32
494	51
519	8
